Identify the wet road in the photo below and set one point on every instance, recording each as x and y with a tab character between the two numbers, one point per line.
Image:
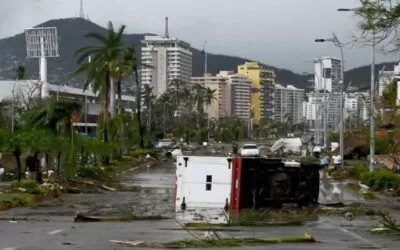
68	235
150	191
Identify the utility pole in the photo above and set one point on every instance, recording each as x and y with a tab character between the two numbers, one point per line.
338	44
372	116
205	81
13	108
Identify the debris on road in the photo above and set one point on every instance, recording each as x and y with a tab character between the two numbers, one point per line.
128	243
223	242
388	225
108	188
85	218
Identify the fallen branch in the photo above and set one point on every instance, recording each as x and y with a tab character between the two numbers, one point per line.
213	243
108	188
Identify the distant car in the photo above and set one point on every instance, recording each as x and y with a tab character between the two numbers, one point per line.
250	150
164	143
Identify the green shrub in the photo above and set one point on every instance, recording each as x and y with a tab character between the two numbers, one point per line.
30	186
357	170
141	152
94	173
381	179
382	146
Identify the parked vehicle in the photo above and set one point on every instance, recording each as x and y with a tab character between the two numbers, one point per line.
164	143
250	149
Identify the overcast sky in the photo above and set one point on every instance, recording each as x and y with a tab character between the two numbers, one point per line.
276	32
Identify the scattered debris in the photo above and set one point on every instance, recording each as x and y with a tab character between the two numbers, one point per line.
108	188
84	218
128	243
388	225
349	216
222	242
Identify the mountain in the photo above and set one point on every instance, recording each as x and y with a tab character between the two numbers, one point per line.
361	76
72	33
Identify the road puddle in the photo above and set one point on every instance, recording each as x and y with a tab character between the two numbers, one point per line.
333	191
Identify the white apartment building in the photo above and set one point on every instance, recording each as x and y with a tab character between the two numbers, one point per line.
288	104
238	89
327	73
313	110
356	108
168	58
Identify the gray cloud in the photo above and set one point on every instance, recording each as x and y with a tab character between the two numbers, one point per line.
277	32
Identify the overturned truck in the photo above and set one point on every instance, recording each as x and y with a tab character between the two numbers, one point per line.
212	188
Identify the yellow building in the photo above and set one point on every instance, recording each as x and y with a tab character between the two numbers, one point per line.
263	83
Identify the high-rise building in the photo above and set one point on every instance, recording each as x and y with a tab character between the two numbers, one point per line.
232	94
313	110
288	104
262	92
327	73
168	59
238	89
218	108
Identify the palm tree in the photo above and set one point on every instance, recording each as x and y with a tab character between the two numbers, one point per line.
20	72
54	116
132	64
198	98
100	72
148	98
106	59
177	85
209	96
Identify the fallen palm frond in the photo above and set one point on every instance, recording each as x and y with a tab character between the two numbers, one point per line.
85	218
214	243
388	225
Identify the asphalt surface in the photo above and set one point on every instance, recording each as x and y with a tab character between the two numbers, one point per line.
52	227
68	235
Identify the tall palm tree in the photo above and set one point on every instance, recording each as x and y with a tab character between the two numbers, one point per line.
132	63
54	116
198	97
100	72
148	98
106	59
209	96
177	85
20	72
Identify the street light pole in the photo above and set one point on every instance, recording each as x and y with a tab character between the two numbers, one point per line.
341	86
372	95
372	98
205	81
338	44
13	108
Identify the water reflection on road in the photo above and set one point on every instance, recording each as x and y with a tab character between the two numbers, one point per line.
159	176
333	191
